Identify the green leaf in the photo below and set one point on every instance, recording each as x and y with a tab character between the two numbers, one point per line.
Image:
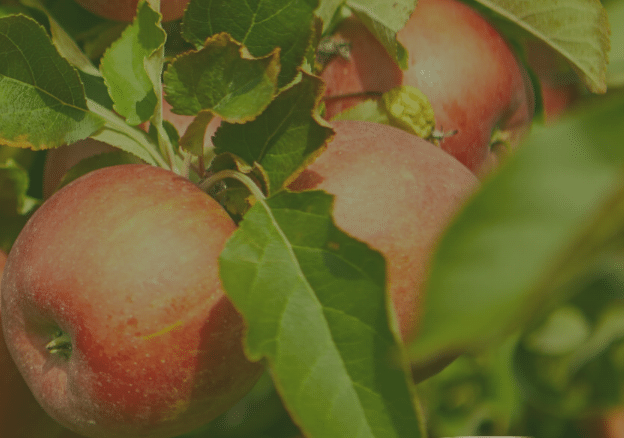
219	77
95	89
261	26
615	69
384	19
316	308
535	226
127	70
192	139
11	10
42	102
578	29
64	43
330	12
284	138
130	144
15	204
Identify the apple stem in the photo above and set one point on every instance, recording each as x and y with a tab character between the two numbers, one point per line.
61	344
118	125
209	182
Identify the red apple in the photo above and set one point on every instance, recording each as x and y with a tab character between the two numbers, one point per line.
396	192
20	414
113	310
366	71
558	82
458	60
125	10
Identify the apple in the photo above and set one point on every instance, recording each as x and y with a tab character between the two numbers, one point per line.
457	59
20	414
396	192
365	71
125	10
558	82
113	311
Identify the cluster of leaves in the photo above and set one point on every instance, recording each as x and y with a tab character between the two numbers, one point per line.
543	233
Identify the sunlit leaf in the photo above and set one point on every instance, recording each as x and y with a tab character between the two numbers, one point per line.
133	87
578	29
315	304
42	102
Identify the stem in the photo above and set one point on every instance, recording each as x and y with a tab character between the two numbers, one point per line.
186	169
118	124
164	143
207	184
201	165
61	344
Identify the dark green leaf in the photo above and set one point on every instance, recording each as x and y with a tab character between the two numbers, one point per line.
42	101
15	204
261	26
284	138
220	78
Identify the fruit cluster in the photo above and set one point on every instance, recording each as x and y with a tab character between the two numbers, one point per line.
116	318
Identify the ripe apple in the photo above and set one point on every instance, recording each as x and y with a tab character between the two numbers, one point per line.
366	70
113	311
457	59
396	192
558	82
125	10
20	414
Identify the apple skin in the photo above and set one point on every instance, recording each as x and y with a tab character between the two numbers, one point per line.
458	60
396	192
124	261
125	10
368	69
20	414
558	83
